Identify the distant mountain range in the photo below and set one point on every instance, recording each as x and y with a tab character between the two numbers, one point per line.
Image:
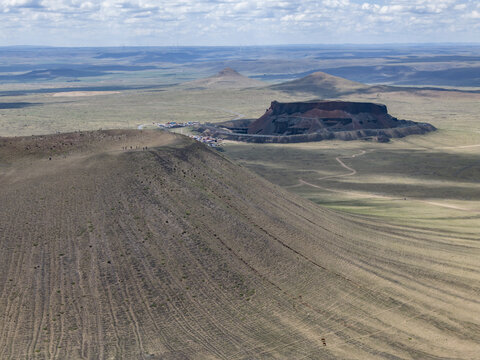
425	65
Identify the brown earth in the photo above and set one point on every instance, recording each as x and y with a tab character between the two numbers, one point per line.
315	121
170	251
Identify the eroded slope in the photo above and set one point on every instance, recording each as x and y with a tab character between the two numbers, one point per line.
169	251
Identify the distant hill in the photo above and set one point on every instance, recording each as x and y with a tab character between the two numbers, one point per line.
321	84
168	250
409	75
226	78
326	86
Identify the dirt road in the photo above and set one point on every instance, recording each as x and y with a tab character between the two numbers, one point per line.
352	172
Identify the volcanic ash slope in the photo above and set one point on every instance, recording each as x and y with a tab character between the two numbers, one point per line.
174	252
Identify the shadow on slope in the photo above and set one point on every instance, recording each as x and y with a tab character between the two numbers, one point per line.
440	174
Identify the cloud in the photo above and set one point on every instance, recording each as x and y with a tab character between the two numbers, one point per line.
22	3
221	22
473	15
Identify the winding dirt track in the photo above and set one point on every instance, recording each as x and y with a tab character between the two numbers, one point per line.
352	171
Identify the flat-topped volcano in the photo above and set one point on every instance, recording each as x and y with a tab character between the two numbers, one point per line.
318	120
308	117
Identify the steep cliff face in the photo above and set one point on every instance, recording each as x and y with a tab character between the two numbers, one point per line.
316	121
349	107
308	117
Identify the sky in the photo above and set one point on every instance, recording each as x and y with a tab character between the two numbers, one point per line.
229	22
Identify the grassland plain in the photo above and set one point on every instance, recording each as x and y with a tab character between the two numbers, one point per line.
175	252
429	181
45	113
391	271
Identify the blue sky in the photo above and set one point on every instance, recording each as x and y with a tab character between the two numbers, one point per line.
228	22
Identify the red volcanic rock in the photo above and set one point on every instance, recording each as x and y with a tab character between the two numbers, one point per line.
309	117
316	121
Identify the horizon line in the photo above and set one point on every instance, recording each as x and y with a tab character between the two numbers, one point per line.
250	45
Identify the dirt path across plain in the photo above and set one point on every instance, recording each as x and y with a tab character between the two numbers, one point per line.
352	172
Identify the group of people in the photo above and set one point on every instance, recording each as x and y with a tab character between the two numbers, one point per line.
136	147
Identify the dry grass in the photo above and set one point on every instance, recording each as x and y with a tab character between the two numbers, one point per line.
46	114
